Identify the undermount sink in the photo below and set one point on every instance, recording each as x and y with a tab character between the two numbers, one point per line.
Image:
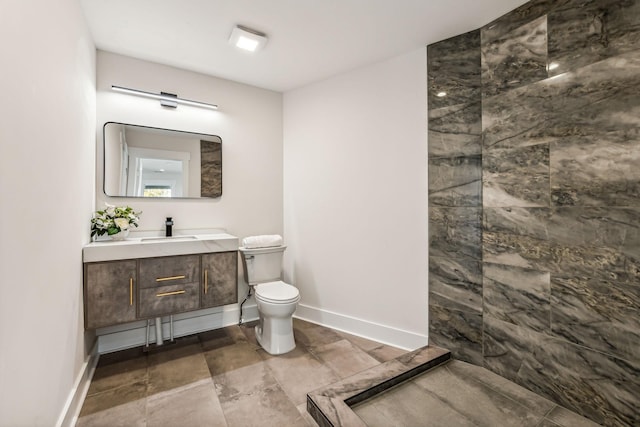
174	238
135	247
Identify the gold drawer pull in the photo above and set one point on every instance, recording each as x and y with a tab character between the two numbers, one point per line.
131	291
166	294
206	281
164	279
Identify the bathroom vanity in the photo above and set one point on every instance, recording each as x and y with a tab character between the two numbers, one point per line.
150	277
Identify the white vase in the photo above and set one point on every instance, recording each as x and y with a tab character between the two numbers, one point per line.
120	236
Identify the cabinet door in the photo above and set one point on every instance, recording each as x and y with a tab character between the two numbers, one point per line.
219	279
109	293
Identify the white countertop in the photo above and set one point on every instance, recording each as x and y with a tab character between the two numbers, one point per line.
150	245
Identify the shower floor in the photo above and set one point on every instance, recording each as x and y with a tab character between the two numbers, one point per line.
461	394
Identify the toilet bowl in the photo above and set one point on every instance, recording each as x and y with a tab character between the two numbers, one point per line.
276	300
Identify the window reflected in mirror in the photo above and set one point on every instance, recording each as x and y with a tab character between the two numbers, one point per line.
142	161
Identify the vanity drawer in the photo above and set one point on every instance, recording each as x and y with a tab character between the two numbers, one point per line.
168	299
173	270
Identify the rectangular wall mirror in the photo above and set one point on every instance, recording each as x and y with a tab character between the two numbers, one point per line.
142	161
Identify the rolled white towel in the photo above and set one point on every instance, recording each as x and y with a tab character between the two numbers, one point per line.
264	241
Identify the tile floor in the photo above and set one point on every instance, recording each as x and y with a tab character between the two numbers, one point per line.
224	378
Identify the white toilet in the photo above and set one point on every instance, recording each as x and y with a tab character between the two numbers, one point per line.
276	299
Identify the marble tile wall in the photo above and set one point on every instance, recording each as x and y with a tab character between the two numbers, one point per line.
558	274
455	196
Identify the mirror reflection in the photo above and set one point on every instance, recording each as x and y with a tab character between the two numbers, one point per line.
142	161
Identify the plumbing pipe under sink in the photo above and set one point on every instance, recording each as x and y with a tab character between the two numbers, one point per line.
159	337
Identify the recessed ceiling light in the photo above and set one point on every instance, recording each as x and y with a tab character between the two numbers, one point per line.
247	39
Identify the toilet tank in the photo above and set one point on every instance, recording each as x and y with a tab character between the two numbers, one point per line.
262	264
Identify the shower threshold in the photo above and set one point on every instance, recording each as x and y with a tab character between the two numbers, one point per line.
428	387
331	406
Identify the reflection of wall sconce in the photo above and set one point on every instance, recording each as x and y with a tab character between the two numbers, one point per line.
166	99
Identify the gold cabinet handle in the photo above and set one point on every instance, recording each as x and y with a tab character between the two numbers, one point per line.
164	279
131	291
206	281
166	294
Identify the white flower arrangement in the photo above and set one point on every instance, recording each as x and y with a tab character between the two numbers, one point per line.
113	219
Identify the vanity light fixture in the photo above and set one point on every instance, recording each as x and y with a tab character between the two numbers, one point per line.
166	99
247	39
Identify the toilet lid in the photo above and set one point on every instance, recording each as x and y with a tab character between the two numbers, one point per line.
277	292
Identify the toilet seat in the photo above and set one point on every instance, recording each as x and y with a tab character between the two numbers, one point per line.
277	292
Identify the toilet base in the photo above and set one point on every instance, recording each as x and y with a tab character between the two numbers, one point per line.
275	335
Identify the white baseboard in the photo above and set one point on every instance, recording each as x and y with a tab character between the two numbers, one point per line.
135	334
73	405
362	328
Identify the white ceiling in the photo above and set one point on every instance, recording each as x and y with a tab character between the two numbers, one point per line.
309	40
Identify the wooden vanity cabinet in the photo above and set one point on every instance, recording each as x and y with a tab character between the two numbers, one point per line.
110	293
219	279
136	289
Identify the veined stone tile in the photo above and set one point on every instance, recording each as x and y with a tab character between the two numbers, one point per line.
130	414
311	335
518	295
455	232
460	331
344	359
599	314
601	387
408	404
252	393
597	165
572	104
516	176
475	400
516	58
583	32
616	229
455	181
517	237
458	280
198	405
563	417
116	399
534	402
518	17
599	243
176	367
507	122
455	131
596	171
298	372
453	68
